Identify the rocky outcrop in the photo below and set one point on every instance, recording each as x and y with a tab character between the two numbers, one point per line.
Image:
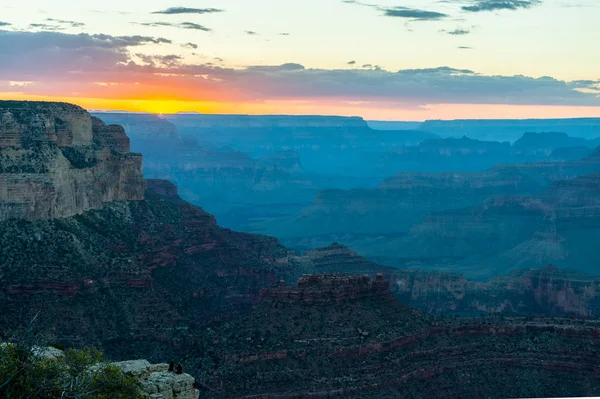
111	136
159	383
55	162
23	123
155	381
338	258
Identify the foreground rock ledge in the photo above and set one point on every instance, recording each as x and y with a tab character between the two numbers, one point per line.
157	382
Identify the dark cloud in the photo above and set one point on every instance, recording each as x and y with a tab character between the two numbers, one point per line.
402	12
73	24
291	66
190	45
126	41
2	23
180	25
495	5
191	25
218	59
351	62
251	33
459	32
185	10
413	14
465	48
437	71
171	60
47	27
284	34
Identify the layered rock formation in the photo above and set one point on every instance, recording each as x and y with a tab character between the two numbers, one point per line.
338	258
505	233
56	162
317	288
372	221
372	346
511	130
544	291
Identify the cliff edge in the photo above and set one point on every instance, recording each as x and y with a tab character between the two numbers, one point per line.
57	161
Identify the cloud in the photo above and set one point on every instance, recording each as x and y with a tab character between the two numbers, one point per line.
496	5
185	10
284	34
290	66
190	45
180	25
351	62
413	14
30	56
465	48
459	32
126	41
73	24
60	64
251	33
170	60
2	23
47	27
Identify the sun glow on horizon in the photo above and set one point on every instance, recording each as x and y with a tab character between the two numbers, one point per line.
373	111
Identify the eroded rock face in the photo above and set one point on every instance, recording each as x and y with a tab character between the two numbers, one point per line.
24	122
111	136
157	382
56	162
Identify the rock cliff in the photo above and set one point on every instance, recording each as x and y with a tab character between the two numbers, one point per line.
55	162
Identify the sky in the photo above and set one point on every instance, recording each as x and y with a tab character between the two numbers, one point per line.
380	59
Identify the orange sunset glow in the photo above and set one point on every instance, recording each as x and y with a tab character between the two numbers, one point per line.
374	111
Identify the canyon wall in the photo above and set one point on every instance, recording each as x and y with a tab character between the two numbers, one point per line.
57	161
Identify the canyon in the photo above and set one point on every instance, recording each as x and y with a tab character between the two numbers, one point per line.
314	180
152	276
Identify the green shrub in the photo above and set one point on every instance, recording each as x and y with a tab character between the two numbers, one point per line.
79	374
